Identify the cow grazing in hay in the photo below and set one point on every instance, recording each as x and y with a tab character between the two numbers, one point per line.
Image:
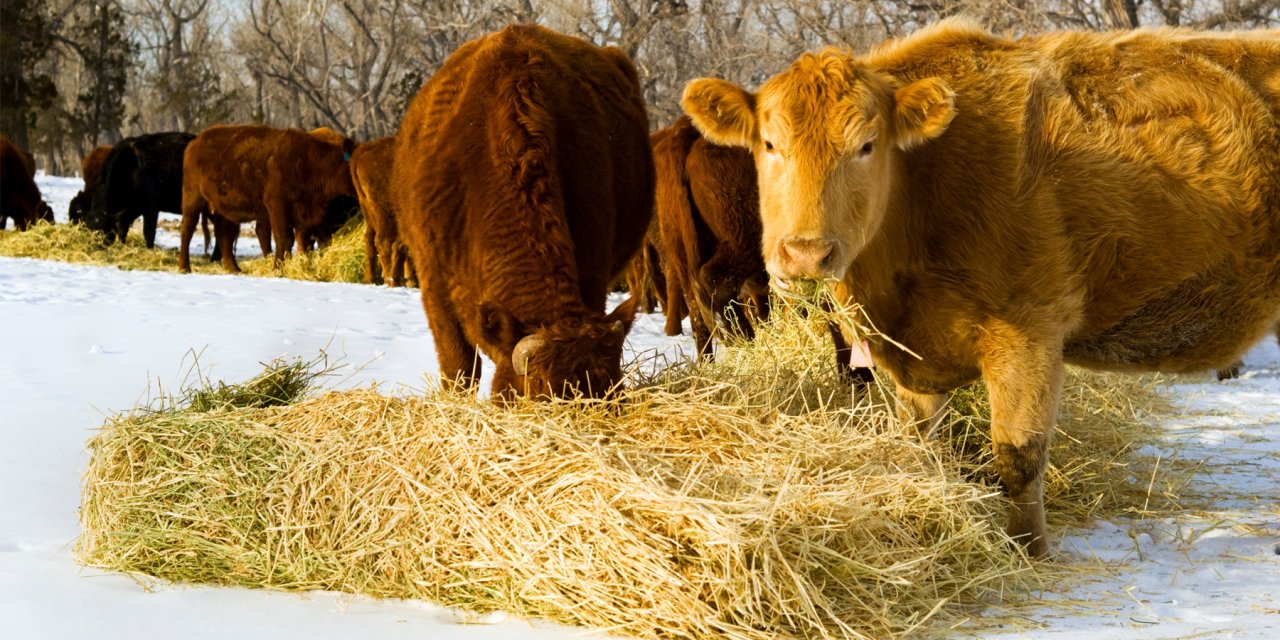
708	210
385	253
1001	207
525	185
283	179
19	196
91	169
142	176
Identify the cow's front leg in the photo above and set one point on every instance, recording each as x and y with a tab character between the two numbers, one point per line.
924	411
1024	381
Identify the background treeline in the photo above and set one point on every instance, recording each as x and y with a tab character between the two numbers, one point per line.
78	73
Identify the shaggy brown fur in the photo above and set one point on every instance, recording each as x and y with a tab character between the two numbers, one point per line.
645	278
385	253
1002	207
525	186
283	179
19	196
709	213
91	170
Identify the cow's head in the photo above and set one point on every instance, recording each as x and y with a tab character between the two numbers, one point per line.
571	357
825	134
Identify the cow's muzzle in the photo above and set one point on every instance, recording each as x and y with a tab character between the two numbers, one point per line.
808	258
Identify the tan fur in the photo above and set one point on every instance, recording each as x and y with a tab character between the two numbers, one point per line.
1001	207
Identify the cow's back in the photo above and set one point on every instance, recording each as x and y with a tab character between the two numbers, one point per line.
144	172
92	166
1134	201
228	165
527	134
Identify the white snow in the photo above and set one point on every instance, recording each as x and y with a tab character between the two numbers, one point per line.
80	342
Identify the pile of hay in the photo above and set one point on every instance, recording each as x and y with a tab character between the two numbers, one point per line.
78	244
341	261
757	497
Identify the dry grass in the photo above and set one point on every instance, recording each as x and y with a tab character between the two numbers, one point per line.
341	261
756	497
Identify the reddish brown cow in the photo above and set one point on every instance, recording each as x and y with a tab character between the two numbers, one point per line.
284	178
645	279
385	254
525	185
1001	207
91	170
19	196
708	211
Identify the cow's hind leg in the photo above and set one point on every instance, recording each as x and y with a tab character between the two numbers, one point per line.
372	272
1024	381
398	258
226	231
150	220
193	208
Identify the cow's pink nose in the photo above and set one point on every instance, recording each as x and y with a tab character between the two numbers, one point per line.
806	257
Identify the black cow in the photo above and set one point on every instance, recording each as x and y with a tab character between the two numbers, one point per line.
143	176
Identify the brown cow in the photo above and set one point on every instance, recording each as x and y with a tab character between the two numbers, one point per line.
284	178
645	279
385	253
91	170
525	186
1001	207
708	210
19	196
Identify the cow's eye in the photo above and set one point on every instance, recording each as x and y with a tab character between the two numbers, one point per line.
768	146
866	149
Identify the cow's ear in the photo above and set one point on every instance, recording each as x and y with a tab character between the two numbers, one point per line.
623	316
922	111
498	325
722	111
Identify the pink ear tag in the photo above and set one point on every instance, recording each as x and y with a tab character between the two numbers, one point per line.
861	356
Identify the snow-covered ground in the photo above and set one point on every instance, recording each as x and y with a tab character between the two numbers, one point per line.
80	342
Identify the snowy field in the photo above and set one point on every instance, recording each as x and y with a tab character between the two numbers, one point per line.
81	342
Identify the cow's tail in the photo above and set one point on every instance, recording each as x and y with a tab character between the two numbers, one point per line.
676	216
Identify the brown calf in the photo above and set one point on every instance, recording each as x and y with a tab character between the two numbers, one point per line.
283	179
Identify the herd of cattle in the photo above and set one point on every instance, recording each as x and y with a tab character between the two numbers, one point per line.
999	207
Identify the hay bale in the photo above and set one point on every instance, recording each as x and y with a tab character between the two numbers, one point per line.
753	498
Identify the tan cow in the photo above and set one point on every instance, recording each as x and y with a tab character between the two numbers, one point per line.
1000	207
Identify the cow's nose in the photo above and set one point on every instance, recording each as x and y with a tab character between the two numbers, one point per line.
807	257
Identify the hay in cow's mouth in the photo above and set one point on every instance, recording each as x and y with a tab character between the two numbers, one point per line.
756	497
